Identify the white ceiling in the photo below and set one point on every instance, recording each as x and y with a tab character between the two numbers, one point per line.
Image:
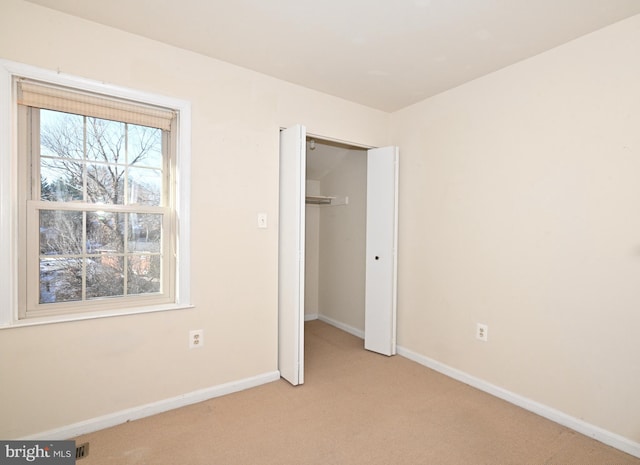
385	54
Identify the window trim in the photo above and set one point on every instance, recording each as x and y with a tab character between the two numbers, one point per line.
9	316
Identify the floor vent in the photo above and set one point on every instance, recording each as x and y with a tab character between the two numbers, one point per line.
82	451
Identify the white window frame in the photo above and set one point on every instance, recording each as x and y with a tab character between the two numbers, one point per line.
9	207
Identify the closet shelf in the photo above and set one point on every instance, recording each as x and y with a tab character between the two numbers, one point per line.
319	200
326	200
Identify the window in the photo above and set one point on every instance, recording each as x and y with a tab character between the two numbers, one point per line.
96	200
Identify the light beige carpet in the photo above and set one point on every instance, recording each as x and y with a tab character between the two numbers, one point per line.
355	407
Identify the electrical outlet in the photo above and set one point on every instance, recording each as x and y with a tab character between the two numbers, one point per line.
196	338
482	332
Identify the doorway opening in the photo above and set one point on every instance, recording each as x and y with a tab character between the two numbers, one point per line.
365	236
335	234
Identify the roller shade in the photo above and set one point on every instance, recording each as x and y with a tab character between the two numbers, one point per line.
50	97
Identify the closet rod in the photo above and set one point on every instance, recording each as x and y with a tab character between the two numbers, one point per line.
324	200
318	200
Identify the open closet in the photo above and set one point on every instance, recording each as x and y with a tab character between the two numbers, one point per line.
336	197
337	256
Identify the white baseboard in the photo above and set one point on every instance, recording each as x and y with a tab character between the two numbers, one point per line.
310	316
142	411
349	329
595	432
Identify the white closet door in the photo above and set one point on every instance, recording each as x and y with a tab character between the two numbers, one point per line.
291	244
381	261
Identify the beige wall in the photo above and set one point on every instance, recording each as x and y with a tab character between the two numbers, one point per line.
520	208
342	242
56	375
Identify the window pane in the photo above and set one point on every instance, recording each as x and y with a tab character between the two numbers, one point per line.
145	186
144	146
61	135
145	232
60	280
60	232
105	140
95	181
60	180
143	275
105	184
105	277
105	232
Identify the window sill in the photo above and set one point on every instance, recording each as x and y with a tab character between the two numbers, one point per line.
93	315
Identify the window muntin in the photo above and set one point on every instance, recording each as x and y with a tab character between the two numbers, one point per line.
98	218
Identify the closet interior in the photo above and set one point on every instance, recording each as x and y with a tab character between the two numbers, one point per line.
335	226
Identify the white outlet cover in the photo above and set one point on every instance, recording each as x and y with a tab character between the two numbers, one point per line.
482	332
196	338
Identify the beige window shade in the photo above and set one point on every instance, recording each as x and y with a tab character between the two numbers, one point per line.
40	95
